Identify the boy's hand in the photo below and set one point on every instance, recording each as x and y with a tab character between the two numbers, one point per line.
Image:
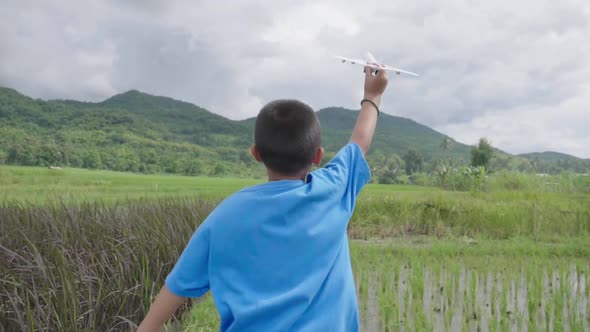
375	85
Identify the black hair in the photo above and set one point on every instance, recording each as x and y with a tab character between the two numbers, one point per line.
287	136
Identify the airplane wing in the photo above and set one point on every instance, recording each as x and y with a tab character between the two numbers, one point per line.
397	70
359	62
373	64
353	61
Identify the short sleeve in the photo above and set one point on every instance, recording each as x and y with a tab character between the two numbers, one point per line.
190	275
348	170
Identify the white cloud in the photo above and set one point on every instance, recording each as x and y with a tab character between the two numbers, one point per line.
533	128
515	72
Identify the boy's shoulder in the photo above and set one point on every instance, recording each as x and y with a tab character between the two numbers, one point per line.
247	195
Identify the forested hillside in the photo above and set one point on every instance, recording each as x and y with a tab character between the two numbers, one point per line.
554	162
129	132
138	132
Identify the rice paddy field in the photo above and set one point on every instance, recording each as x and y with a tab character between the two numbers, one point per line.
473	292
88	251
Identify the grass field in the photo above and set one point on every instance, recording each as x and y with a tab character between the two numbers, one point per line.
35	184
88	250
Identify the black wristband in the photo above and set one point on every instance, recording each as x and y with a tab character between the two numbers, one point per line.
372	103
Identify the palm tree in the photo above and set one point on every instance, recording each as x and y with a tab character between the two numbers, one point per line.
446	143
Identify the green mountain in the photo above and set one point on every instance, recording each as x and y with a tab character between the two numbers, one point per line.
552	162
394	135
138	132
180	120
549	156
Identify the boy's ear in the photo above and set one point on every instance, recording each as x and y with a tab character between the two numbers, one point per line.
319	155
255	153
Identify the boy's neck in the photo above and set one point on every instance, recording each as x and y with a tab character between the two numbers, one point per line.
274	176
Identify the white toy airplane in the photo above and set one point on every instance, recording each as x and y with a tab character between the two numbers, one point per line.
373	63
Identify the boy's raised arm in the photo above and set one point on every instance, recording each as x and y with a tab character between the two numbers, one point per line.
363	131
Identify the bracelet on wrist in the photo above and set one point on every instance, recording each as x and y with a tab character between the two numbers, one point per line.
372	103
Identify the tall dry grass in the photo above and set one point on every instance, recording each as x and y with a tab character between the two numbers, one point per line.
497	215
91	266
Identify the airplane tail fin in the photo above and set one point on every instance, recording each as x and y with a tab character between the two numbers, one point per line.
370	58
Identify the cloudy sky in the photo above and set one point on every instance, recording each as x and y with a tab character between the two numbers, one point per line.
516	72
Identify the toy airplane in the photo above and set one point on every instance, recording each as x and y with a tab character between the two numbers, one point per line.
373	63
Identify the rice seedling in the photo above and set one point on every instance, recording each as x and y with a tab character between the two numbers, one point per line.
498	293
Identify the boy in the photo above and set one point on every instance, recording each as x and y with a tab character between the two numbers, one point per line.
275	256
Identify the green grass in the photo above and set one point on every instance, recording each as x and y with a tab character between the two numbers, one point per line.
382	210
89	250
40	184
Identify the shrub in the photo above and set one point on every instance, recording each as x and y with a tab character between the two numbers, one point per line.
422	179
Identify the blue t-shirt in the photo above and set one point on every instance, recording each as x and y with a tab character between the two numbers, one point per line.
275	256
